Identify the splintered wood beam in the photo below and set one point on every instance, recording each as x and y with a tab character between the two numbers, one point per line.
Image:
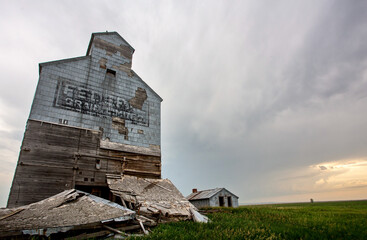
142	227
98	156
11	214
130	148
157	185
143	172
123	202
113	230
129	228
44	165
89	235
117	158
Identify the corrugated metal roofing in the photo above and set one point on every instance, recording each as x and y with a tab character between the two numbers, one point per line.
205	194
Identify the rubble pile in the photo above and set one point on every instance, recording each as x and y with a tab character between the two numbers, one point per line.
143	204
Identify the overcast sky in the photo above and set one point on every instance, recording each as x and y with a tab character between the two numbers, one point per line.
265	98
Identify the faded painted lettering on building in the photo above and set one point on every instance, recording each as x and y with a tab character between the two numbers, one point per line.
84	100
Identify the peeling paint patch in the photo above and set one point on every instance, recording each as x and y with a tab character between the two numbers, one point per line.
102	63
110	48
140	131
139	99
126	67
155	147
119	124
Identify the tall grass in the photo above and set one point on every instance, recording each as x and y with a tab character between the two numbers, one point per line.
332	220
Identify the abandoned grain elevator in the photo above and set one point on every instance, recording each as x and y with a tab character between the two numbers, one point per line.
91	116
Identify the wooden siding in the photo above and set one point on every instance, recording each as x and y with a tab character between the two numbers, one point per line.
214	200
200	203
56	157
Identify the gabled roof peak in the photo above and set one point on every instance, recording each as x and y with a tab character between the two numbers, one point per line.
106	33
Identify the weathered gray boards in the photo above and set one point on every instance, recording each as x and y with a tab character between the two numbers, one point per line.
90	116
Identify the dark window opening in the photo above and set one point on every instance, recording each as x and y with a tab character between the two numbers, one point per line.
98	164
92	179
85	179
117	200
103	192
63	121
229	199
111	72
221	201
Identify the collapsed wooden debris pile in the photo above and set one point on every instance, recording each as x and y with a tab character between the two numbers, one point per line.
156	199
73	213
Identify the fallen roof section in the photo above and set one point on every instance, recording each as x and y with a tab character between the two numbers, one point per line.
75	212
157	199
71	209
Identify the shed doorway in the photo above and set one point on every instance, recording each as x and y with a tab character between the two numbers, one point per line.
221	201
229	199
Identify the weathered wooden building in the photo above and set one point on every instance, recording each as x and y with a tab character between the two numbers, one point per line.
91	116
218	197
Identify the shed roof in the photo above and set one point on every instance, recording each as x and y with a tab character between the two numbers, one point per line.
205	194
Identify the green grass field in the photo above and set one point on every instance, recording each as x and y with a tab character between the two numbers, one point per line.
327	220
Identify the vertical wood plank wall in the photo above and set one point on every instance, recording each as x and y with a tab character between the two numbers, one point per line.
55	157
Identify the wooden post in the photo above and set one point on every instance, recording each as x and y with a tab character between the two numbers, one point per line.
75	167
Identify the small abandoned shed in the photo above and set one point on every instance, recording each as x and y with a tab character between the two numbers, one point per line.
218	197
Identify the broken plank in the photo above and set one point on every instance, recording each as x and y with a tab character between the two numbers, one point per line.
89	235
157	185
113	230
142	227
12	213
